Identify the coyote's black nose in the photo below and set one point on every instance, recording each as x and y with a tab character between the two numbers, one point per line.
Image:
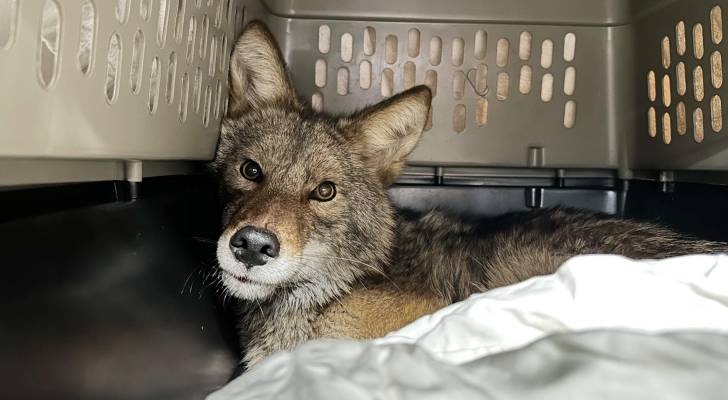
254	246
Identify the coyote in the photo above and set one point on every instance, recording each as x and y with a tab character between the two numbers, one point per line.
312	244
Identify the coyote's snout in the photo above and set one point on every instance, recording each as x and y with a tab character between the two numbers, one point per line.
312	244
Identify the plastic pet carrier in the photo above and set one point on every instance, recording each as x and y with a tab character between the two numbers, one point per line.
109	110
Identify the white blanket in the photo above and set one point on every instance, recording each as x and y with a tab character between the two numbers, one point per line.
462	351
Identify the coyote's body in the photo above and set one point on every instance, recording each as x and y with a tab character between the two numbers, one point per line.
313	245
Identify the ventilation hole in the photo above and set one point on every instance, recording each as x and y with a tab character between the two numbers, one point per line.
198	3
458	84
680	44
230	8
547	88
218	14
652	122
365	74
342	81
145	7
49	43
154	86
570	114
481	112
224	53
666	92
171	78
431	81
651	86
682	87
184	96
698	85
428	124
218	99
86	36
698	49
208	101
524	46
324	39
179	20
370	40
570	81
458	118
682	123
320	73
347	47
666	52
716	115
162	23
547	53
213	54
113	60
137	61
569	48
204	35
122	10
481	78
524	83
413	42
698	132
666	128
197	90
317	102
9	21
458	51
716	25
191	35
501	58
502	86
387	82
390	49
716	70
410	75
435	50
225	106
481	44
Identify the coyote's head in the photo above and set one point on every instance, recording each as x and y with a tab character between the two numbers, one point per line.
306	210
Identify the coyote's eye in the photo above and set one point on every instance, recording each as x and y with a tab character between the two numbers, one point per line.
324	192
251	171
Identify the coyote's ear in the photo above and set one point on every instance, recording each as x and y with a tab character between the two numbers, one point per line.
387	132
258	73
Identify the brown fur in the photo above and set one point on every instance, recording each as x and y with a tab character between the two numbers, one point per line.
354	267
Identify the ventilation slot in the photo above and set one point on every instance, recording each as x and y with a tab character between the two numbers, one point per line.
458	51
431	81
342	81
324	39
666	95
716	114
122	10
317	102
191	34
231	6
197	90
481	112
652	122
320	73
50	38
9	21
481	43
501	58
547	53
410	75
524	83
224	53
86	37
413	43
171	78
184	95
481	79
547	88
569	47
716	70
666	52
458	118
651	86
435	50
458	85
524	46
162	23
716	25
502	86
666	128
218	14
213	54
681	46
570	81
347	47
698	132
179	20
682	124
390	49
365	74
204	36
137	61
698	86
370	40
154	86
698	49
387	82
681	79
570	114
208	102
113	60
